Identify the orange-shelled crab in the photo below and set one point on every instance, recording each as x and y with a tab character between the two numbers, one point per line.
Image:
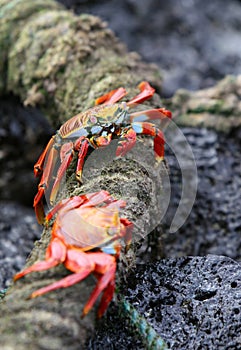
97	127
86	237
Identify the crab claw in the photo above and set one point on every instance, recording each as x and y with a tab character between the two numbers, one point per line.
146	92
111	97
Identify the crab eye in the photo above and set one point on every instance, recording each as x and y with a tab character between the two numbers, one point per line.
93	119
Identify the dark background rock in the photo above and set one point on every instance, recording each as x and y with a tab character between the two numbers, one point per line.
214	225
18	230
23	131
185	300
194	42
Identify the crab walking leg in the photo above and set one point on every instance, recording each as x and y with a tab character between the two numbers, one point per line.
106	298
97	198
55	254
115	95
127	141
82	265
66	155
38	204
151	129
69	203
150	114
146	92
114	203
111	97
81	146
105	265
38	167
47	172
91	199
63	283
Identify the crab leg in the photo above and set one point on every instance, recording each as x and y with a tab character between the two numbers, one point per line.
127	141
66	155
82	265
151	129
146	92
92	199
69	203
106	298
82	148
38	199
55	254
120	203
96	198
105	264
111	97
63	283
38	167
150	114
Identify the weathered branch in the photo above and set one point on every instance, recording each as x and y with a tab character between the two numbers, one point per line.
61	63
218	107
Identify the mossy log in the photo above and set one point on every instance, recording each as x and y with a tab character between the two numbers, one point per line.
60	63
217	107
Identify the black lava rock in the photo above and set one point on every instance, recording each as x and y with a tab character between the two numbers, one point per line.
18	231
191	302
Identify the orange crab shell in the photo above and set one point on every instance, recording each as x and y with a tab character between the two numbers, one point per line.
99	225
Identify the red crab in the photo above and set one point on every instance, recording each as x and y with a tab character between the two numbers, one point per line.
86	238
96	128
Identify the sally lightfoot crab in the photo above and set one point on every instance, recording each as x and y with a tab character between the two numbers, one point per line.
86	237
97	127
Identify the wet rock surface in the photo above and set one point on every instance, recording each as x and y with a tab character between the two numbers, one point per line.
191	302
